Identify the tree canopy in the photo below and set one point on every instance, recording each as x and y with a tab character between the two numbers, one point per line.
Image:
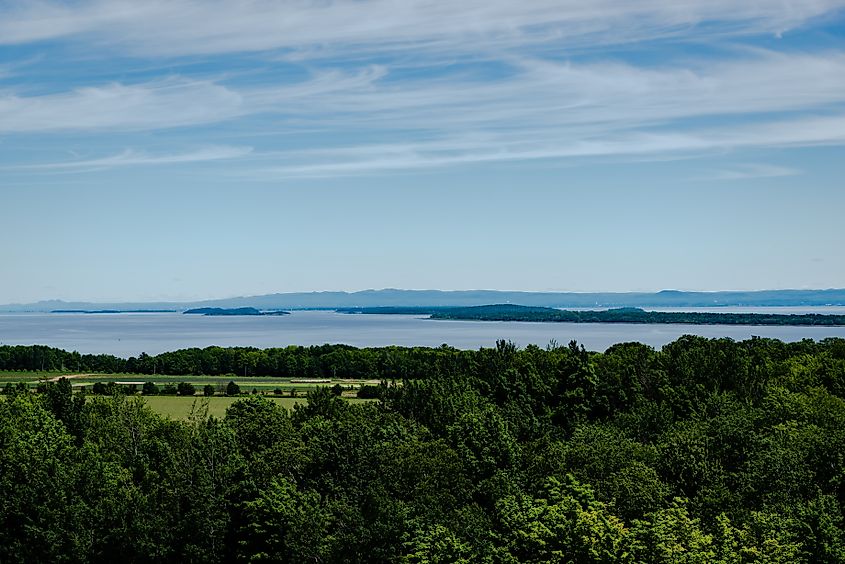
708	450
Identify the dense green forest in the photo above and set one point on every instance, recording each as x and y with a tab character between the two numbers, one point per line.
323	361
703	451
512	312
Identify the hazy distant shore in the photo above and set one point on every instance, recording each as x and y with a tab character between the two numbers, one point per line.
518	313
467	298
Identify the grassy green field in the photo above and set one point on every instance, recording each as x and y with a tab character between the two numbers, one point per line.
247	384
6	376
177	407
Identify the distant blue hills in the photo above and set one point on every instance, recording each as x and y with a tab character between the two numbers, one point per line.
459	298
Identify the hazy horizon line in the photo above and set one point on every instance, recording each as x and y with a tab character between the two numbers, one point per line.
392	289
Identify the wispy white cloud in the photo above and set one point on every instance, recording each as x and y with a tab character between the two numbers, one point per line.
544	94
750	170
132	157
377	159
157	105
178	27
535	104
13	68
536	110
170	102
530	94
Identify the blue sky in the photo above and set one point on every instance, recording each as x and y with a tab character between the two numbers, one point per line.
181	149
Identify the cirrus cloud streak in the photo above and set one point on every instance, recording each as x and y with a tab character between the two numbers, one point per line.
188	27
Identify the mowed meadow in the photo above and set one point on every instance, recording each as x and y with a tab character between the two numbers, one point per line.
284	392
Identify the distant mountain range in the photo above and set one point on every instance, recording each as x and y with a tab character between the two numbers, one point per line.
459	298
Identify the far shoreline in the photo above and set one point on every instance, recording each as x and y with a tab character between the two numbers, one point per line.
625	315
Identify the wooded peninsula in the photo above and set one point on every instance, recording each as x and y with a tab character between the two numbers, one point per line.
510	312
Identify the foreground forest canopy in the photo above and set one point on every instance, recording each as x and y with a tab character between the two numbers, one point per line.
704	451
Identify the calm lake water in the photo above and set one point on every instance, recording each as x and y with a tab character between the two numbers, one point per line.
131	334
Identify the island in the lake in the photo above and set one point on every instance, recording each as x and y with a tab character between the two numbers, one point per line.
219	311
511	312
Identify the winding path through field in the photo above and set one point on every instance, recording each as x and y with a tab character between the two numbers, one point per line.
68	376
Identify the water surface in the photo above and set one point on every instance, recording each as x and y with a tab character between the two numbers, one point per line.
132	333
